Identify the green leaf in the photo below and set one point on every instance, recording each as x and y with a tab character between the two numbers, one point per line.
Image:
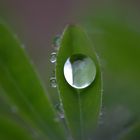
9	130
81	107
20	84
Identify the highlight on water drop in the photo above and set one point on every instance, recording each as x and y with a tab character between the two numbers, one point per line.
53	57
79	71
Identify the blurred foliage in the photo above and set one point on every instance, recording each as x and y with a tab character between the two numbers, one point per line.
21	88
133	133
116	36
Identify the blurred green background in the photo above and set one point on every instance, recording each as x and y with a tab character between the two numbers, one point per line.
113	27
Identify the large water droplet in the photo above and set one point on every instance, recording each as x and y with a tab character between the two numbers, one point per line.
53	82
53	57
79	71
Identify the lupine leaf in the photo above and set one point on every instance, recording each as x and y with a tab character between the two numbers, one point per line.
81	107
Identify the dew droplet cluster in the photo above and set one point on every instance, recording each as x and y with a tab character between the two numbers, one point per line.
53	56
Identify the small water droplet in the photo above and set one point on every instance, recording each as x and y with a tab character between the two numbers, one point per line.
53	57
53	82
101	117
79	71
56	40
61	115
60	111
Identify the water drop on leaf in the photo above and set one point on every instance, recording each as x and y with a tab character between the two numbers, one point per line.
56	40
53	57
79	71
60	111
53	82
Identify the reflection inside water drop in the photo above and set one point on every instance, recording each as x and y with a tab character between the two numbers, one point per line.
79	71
